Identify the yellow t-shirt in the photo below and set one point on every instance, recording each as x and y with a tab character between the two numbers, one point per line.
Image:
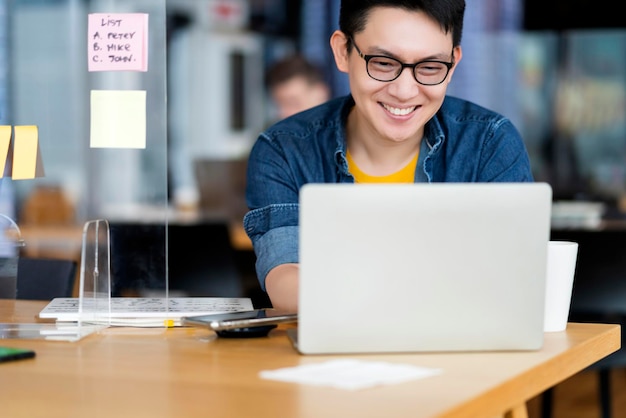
404	175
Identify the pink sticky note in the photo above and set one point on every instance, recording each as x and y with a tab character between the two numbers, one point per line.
117	42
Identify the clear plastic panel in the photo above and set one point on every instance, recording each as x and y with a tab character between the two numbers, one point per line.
10	243
123	185
52	332
128	186
94	302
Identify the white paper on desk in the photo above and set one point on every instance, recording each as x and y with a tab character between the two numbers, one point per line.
149	312
350	374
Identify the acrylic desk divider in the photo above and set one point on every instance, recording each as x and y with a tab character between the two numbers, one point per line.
94	297
96	306
11	243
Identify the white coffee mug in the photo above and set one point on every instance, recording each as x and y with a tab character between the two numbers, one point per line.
560	271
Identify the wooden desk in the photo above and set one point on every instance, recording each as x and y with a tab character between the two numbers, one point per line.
187	372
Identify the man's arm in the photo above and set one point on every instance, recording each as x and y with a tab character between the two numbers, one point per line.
281	285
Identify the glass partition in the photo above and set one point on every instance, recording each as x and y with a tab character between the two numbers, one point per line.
100	159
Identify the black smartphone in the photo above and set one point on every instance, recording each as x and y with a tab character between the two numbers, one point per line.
14	353
255	323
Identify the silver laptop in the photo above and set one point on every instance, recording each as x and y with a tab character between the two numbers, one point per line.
422	267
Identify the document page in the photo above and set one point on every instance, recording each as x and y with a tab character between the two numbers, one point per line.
144	311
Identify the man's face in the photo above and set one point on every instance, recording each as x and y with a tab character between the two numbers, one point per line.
397	110
297	94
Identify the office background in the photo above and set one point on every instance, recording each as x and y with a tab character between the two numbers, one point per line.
559	77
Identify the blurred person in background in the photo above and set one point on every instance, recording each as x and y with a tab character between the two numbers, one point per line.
295	84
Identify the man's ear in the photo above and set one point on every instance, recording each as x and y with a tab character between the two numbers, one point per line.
458	54
338	43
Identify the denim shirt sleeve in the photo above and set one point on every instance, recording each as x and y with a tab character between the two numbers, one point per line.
274	233
298	150
272	227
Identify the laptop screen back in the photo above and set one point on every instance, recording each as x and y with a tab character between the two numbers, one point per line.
422	267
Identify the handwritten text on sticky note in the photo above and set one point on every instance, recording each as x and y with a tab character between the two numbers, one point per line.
117	42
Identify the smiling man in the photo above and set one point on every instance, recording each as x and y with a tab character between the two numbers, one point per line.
397	125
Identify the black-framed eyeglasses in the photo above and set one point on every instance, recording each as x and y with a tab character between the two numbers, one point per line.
384	68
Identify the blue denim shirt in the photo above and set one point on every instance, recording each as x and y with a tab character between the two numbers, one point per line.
463	142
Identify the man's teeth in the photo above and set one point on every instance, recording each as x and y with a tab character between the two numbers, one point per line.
399	112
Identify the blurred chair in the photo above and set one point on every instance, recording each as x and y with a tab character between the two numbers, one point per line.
48	224
45	278
47	205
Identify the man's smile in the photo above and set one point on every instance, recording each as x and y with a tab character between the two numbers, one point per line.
399	111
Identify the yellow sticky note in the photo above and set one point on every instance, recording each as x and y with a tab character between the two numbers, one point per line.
118	119
5	142
27	162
